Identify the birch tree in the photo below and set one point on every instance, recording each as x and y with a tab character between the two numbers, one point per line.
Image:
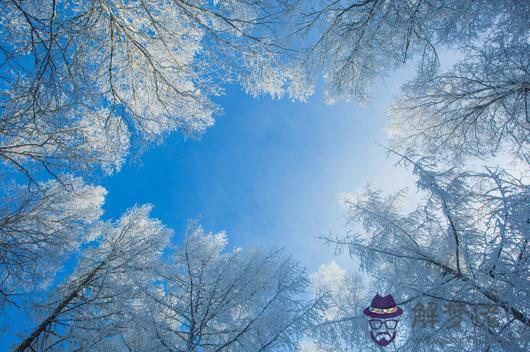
466	244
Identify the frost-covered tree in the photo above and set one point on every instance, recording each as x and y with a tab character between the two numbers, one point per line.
474	108
479	107
465	245
96	301
342	326
84	82
39	230
126	296
358	41
80	79
211	299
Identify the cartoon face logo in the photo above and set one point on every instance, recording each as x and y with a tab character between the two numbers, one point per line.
383	314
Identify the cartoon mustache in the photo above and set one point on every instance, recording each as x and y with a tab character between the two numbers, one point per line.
381	336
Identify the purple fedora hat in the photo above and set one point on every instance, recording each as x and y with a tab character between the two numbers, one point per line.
383	308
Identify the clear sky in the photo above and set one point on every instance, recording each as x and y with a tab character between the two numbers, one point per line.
268	172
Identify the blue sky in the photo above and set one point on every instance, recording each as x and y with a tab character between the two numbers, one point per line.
268	172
